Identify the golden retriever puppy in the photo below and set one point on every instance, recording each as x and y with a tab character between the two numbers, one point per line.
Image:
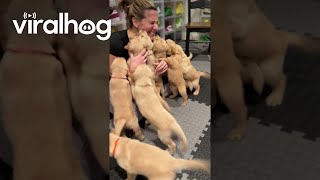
249	37
35	105
175	76
160	47
151	108
121	99
191	75
159	50
139	42
174	48
136	44
139	158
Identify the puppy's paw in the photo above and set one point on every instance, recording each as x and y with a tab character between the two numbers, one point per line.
274	99
236	134
141	138
147	123
184	103
171	151
172	96
196	93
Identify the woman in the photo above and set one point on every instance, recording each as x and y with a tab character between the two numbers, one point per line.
141	15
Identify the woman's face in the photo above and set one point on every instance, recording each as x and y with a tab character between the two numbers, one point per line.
149	23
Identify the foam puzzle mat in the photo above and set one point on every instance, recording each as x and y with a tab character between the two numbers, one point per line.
265	153
194	119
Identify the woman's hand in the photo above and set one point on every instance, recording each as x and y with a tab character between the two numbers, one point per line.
161	67
135	61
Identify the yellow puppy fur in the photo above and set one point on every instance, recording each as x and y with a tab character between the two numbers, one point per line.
151	108
175	76
174	48
159	49
136	44
121	99
190	74
144	159
139	42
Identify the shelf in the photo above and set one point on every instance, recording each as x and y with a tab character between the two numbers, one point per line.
170	1
163	20
169	17
198	41
174	16
169	32
116	23
157	2
112	3
205	15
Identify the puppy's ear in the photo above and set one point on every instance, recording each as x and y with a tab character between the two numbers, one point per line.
175	50
169	51
166	47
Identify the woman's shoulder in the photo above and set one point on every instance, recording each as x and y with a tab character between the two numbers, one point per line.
117	42
119	35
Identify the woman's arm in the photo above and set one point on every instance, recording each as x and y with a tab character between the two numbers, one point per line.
135	61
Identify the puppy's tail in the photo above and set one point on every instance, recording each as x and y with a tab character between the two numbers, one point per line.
192	164
176	128
304	42
204	74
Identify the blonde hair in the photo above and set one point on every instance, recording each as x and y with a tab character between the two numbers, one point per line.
135	8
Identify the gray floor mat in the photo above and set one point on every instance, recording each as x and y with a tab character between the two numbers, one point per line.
194	119
284	14
202	63
203	151
205	88
266	153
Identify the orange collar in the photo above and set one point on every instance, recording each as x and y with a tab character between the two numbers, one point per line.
115	147
32	51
